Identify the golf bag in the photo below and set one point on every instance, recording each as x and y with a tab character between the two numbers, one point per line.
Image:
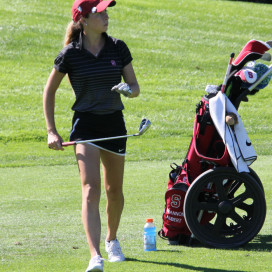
207	149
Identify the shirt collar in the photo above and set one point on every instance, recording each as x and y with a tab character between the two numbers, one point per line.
79	42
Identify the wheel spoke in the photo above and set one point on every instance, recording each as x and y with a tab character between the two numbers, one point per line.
239	220
220	189
249	209
240	199
205	206
219	223
244	206
234	187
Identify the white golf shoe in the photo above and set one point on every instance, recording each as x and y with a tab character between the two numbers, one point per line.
114	251
96	264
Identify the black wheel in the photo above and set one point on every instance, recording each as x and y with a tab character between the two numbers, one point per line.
256	177
224	208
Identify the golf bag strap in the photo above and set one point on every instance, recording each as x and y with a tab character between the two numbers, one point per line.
203	122
203	119
162	234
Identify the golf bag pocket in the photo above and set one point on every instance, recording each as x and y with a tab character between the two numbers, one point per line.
207	148
173	218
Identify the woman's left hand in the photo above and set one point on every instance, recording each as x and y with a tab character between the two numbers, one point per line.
122	88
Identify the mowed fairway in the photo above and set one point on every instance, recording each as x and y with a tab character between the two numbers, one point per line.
178	47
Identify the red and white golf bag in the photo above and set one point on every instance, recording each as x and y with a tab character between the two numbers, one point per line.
207	149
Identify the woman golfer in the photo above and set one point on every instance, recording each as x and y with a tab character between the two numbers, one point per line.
95	64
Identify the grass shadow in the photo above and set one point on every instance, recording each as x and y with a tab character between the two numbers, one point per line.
182	266
254	1
259	243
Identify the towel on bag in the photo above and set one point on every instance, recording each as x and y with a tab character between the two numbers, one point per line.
235	138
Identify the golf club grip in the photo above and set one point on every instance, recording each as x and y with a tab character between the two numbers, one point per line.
68	143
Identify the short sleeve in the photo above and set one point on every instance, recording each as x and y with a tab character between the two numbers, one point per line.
60	63
124	53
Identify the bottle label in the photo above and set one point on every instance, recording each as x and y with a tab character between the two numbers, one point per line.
149	242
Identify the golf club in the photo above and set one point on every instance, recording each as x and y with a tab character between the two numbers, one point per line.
227	73
269	43
144	126
266	56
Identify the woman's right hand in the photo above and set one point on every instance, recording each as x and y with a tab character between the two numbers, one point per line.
54	141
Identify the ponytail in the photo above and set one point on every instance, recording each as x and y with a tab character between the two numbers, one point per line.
72	32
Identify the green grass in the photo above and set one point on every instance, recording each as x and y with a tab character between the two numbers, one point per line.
41	224
178	48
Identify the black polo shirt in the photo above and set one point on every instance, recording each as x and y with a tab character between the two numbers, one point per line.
93	77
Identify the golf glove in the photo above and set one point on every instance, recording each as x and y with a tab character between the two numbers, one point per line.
122	88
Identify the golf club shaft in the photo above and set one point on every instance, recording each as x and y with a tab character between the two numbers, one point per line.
97	140
145	124
227	73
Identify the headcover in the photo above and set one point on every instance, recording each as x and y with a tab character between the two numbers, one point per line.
253	50
261	69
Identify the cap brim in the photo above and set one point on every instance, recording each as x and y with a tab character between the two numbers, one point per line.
104	4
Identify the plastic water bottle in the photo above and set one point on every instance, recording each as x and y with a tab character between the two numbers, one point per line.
149	235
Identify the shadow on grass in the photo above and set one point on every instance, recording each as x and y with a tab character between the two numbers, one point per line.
254	1
183	266
260	243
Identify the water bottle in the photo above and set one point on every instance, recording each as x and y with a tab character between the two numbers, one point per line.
149	235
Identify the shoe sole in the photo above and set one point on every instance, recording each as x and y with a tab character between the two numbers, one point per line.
95	270
117	261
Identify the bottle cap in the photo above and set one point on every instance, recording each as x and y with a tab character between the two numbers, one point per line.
149	220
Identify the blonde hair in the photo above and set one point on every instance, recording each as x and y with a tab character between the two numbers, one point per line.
72	32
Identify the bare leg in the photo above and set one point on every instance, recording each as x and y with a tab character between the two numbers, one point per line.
88	158
113	169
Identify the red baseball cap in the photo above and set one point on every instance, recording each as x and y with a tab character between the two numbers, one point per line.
82	7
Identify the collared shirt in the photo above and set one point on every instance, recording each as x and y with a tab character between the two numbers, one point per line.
92	77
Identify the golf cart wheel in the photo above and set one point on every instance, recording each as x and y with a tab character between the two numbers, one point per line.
237	205
256	177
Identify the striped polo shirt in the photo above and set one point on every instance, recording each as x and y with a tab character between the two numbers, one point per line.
92	77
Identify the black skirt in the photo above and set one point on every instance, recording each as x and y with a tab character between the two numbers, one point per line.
88	126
